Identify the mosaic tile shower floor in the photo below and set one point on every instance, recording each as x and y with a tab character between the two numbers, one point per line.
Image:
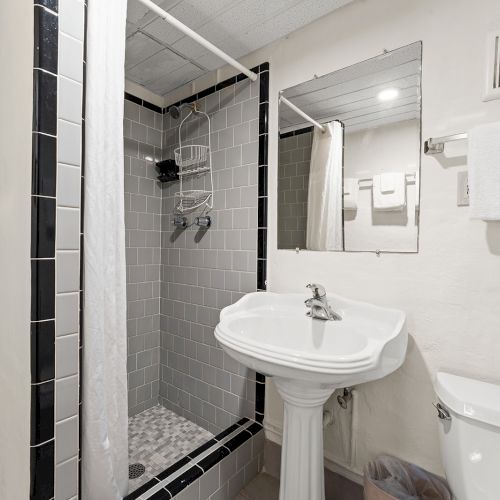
157	438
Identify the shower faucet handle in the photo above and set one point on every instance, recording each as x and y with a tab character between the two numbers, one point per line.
318	290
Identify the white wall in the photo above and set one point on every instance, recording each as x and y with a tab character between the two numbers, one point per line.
16	32
451	288
388	148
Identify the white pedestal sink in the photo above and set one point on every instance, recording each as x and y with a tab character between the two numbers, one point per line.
308	359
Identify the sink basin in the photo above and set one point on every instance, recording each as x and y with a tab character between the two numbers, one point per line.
308	359
271	333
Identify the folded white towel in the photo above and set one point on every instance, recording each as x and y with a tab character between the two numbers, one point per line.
484	171
351	191
389	191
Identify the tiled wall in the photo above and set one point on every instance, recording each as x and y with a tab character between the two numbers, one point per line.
143	140
206	270
293	184
55	246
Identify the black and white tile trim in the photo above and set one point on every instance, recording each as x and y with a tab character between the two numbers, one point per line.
186	471
55	246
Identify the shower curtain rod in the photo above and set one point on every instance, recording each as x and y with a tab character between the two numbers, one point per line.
284	100
198	38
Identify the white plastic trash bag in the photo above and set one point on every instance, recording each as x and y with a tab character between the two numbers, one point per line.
389	478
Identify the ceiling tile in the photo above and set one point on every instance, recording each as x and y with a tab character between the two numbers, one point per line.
236	26
168	82
139	47
162	63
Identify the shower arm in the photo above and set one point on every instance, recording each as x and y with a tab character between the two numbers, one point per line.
198	38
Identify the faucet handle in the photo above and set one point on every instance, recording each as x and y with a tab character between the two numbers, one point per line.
318	290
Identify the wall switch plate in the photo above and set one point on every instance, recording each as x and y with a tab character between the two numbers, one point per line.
462	189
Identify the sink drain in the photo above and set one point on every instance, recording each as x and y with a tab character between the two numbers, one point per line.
135	471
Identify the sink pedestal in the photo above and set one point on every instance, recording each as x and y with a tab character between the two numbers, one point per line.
302	474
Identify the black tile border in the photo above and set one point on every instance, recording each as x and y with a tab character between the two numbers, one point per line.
43	235
198	467
42	471
43	252
299	131
143	102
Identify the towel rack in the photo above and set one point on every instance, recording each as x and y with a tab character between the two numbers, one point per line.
435	145
409	178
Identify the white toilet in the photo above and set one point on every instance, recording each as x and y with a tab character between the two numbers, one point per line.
469	431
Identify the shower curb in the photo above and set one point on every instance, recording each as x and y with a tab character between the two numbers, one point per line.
239	463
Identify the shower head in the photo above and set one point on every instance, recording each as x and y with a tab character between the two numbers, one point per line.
175	111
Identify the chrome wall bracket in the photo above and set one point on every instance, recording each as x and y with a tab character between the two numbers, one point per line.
435	145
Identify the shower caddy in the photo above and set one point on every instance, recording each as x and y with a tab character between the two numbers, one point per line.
194	159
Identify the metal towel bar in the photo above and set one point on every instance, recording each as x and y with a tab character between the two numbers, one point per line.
435	145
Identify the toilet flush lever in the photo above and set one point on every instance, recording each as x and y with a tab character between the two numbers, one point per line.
443	413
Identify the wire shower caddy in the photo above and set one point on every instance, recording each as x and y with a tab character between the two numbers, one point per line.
194	160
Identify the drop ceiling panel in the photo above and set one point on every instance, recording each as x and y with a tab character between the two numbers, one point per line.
163	62
237	26
140	47
179	77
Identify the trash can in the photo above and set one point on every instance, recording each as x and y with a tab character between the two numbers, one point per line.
388	478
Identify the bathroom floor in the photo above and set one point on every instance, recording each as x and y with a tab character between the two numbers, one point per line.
158	438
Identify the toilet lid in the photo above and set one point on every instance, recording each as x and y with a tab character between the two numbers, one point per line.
469	398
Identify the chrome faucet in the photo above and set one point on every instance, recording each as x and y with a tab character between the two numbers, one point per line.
319	306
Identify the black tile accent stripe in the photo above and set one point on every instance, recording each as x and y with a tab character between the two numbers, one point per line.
184	480
175	467
45	39
50	4
142	489
42	471
42	351
42	289
44	102
143	102
162	494
237	440
226	432
44	165
202	448
43	233
43	227
42	412
300	131
214	458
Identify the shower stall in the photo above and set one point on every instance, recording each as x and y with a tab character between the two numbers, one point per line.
195	243
184	392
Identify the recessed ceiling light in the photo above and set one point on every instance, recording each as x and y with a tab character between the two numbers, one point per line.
388	94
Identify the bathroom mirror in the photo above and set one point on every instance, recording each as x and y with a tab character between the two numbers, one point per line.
349	157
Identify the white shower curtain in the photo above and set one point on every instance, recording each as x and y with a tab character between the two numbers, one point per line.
104	377
324	199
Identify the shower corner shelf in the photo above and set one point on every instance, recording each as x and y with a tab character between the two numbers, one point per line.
187	201
191	156
193	159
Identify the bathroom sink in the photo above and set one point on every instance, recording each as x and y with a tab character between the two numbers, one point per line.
271	333
308	359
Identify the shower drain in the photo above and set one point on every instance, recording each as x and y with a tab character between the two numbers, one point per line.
135	471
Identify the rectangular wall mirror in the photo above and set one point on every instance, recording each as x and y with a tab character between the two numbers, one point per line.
349	157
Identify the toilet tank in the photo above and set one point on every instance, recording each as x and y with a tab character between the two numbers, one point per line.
470	438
